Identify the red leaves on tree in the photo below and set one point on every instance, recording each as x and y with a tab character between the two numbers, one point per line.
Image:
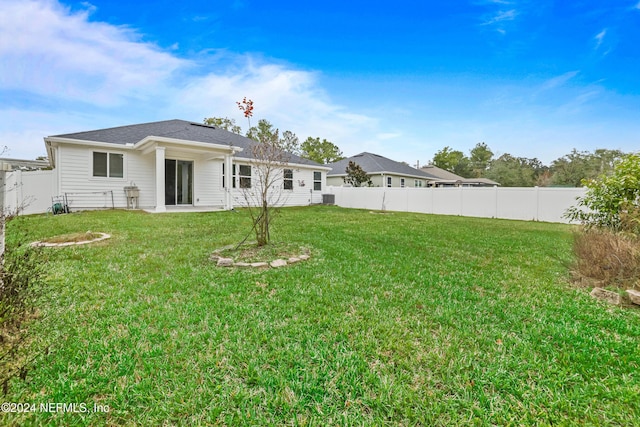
246	105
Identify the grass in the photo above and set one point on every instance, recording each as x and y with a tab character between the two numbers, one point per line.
402	319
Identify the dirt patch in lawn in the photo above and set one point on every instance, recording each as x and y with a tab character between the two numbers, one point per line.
72	239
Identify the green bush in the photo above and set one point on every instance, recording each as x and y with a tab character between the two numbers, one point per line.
612	200
20	286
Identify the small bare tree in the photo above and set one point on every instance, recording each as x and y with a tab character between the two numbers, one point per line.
262	192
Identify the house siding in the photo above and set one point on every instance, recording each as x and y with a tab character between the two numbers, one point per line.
83	190
207	178
74	168
302	193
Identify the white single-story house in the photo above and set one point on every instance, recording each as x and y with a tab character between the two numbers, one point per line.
168	163
385	172
444	178
382	171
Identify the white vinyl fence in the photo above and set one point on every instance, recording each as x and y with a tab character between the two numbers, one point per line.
523	203
30	192
26	192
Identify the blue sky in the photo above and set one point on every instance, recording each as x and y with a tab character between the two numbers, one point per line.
402	79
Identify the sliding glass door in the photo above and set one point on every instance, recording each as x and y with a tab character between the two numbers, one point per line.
178	182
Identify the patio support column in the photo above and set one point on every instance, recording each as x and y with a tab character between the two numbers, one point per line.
228	167
160	207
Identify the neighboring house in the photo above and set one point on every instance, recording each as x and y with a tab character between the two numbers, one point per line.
444	178
171	163
383	172
7	164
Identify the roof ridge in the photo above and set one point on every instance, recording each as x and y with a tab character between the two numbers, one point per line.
124	126
375	157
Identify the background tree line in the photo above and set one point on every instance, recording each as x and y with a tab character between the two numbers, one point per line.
511	171
321	151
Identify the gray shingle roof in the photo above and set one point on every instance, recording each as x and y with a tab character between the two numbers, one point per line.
375	164
178	129
450	176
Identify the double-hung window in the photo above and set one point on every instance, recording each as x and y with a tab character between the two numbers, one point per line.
244	175
288	179
108	165
317	181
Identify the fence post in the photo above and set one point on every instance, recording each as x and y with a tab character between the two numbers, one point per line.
537	191
3	190
432	190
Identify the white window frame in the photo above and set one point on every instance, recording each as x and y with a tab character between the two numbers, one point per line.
287	178
243	177
389	181
401	182
109	174
317	183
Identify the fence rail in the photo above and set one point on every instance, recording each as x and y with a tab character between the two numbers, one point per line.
522	203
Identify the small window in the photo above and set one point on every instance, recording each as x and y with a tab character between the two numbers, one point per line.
108	165
402	182
116	165
244	174
417	183
233	175
100	164
317	181
388	181
288	179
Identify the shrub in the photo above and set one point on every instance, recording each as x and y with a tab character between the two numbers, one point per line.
609	248
612	201
611	258
20	287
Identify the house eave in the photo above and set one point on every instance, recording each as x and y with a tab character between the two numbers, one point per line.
306	166
149	140
144	143
55	141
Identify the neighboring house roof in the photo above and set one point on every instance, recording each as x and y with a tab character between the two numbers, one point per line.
449	177
175	129
485	181
440	173
19	164
374	164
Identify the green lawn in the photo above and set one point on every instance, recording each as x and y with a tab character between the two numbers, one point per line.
397	319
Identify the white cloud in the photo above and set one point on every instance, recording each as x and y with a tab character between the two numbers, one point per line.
48	50
599	38
388	135
558	81
501	16
290	99
79	75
